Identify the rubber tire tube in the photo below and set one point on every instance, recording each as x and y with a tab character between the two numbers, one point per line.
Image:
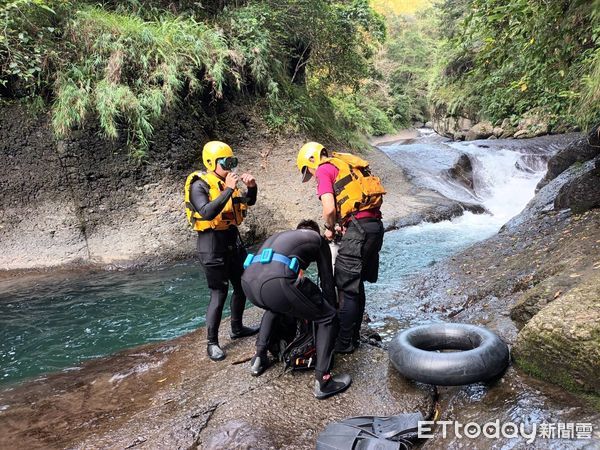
484	355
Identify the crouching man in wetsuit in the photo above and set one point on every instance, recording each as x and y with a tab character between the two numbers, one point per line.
215	207
273	280
351	198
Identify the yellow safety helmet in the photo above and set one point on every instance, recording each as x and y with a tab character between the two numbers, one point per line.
214	150
309	156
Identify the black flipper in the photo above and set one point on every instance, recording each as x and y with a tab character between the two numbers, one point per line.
338	436
403	425
371	433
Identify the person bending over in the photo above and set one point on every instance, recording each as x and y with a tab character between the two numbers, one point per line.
274	280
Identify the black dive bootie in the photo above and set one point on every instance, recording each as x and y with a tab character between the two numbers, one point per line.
331	385
244	331
258	365
344	347
215	352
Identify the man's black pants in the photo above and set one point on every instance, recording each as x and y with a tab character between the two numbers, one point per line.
357	261
299	298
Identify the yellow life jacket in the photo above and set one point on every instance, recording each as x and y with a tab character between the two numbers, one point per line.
355	188
232	214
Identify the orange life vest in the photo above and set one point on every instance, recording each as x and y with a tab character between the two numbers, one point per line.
355	188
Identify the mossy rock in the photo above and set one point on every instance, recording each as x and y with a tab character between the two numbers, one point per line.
533	300
561	343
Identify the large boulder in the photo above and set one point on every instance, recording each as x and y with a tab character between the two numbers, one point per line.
535	122
580	150
451	126
581	194
508	130
462	172
482	130
562	342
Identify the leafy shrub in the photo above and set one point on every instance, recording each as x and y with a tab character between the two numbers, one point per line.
124	64
505	58
127	70
25	55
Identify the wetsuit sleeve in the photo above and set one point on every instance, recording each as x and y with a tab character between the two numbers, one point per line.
199	198
251	194
324	265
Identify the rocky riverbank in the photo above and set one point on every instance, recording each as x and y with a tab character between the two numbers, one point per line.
83	202
536	282
535	122
172	396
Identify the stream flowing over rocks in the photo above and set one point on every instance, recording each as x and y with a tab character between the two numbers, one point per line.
524	266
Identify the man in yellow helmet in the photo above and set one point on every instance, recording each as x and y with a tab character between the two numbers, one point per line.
351	198
214	208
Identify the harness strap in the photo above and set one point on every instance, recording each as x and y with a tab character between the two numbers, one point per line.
340	184
268	255
238	200
357	224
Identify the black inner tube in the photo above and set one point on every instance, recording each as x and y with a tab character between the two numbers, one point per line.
445	341
449	354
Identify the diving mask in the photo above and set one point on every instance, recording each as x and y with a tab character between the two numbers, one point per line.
228	163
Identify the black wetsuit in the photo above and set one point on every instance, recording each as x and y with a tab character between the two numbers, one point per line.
279	290
222	257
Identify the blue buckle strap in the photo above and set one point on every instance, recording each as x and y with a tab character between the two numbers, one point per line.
248	260
268	255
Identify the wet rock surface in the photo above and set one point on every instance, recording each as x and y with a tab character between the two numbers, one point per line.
462	171
172	396
516	398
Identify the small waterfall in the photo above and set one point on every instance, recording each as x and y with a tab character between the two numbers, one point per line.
503	175
500	184
504	172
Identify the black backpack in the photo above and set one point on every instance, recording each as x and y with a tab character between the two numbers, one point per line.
293	343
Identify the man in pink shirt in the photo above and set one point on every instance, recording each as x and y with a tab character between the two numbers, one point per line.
358	221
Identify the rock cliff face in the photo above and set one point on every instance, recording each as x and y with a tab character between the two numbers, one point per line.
84	201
